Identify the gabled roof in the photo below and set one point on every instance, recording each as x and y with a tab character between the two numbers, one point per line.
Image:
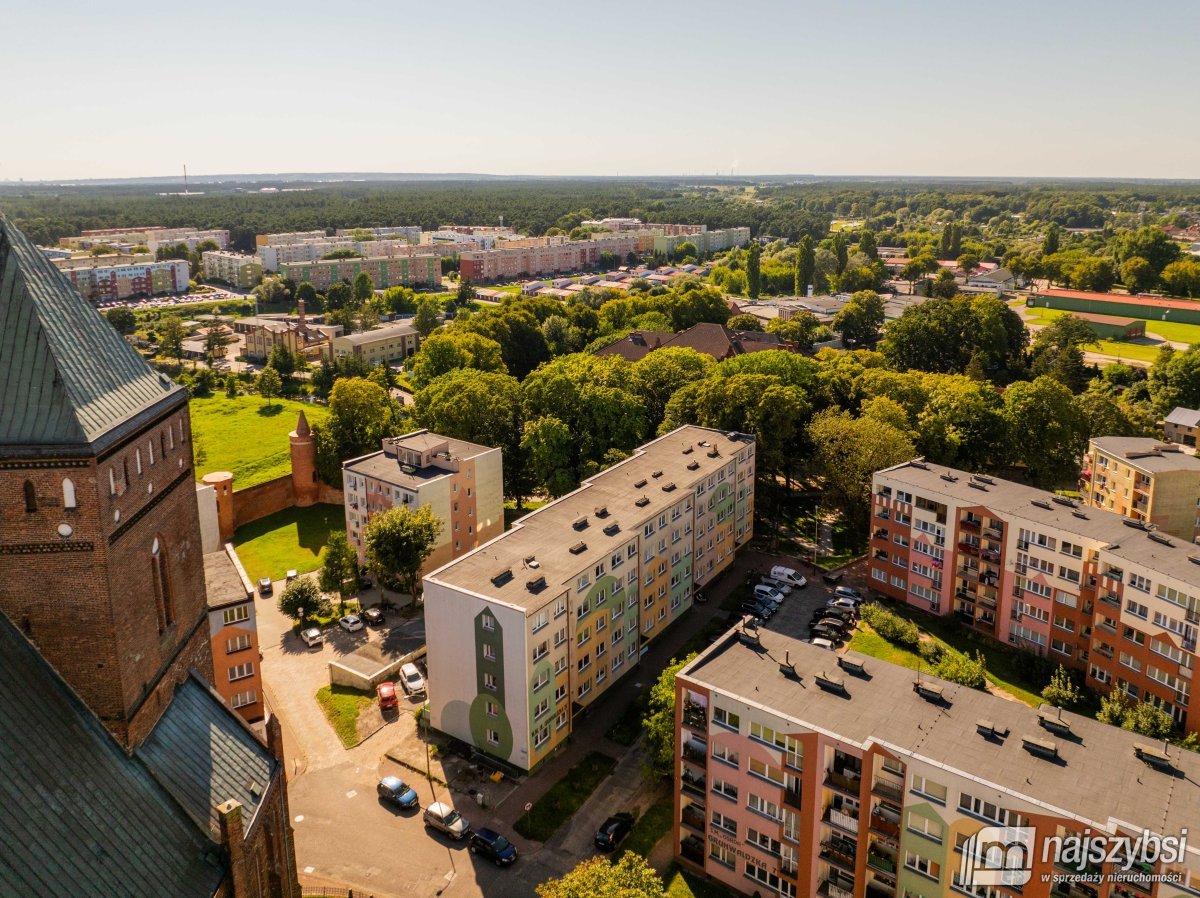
81	817
204	755
66	375
1184	417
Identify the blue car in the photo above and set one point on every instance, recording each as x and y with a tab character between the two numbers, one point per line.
395	791
493	846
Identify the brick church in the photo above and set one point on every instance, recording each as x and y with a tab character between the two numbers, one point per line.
131	775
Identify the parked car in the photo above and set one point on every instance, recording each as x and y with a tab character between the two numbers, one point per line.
291	575
493	846
789	575
373	617
443	818
410	676
821	643
821	631
395	791
835	623
312	636
766	592
849	592
613	830
842	602
386	693
264	586
758	609
778	585
350	623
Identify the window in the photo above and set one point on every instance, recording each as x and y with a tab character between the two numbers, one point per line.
489	653
725	822
541	708
493	737
726	718
1137	581
929	789
237	644
560	607
487	621
763	841
242	699
164	602
763	806
767	771
540	650
724	754
1137	609
241	671
930	829
722	855
989	811
30	497
542	681
541	619
69	494
489	681
922	865
492	709
729	790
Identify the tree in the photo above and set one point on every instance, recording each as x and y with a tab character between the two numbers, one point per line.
1149	243
968	262
597	877
301	599
800	329
339	565
269	384
841	252
1175	379
466	293
361	414
1148	720
685	250
397	543
1062	691
806	265
122	319
754	269
944	285
744	322
1046	431
171	334
272	291
656	378
1137	274
231	386
281	359
1182	278
339	296
861	318
445	351
1113	707
867	246
658	726
426	319
1051	241
550	450
1093	273
364	287
216	338
1057	352
306	293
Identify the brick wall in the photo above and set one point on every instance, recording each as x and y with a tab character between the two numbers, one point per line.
263	499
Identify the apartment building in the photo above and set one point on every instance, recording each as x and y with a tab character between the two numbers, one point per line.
462	482
400	271
87	260
530	629
105	283
803	772
1181	426
1083	586
384	345
411	233
282	239
232	268
272	257
1146	480
705	241
233	633
636	224
151	237
548	256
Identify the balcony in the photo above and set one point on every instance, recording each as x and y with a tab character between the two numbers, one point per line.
695	716
971	524
969	573
886	789
994	532
990	555
839	852
829	889
693	784
876	889
876	860
884	826
693	818
844	782
694	752
988	625
692	849
969	548
842	820
793	798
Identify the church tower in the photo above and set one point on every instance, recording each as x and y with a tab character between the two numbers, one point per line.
100	550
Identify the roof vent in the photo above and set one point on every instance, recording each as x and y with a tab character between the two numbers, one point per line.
579	548
977	486
831	683
612	529
536	585
1153	755
580	524
668	487
983	479
918	463
499	579
1043	748
949	478
703	444
1062	500
532	562
601	512
713	452
642	502
656	474
1194	559
688	450
989	730
1160	539
932	692
1052	721
640	484
693	465
1080	515
1041	503
852	665
1136	525
787	668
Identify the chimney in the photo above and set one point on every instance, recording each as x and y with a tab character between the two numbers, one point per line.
233	838
303	323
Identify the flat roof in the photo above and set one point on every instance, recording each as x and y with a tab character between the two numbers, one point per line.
396	329
382	466
1148	454
1128	543
1137	299
222	582
1105	319
883	707
549	534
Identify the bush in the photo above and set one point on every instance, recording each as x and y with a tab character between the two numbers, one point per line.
931	652
963	669
891	626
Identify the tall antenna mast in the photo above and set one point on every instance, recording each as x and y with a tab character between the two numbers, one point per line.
185	187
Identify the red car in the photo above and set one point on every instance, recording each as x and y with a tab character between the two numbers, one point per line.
386	693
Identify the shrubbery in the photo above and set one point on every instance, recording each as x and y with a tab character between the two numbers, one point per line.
943	662
890	626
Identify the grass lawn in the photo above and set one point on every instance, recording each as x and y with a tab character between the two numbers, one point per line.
287	540
682	883
342	707
511	515
246	436
1169	330
868	642
565	797
650	828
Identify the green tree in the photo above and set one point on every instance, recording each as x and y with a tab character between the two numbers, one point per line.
1046	430
841	252
1182	278
269	384
658	725
231	386
1175	379
861	318
272	292
806	265
444	351
1113	708
549	448
281	359
597	877
1093	274
968	262
1137	274
466	294
301	600
1062	691
364	287
744	322
800	328
867	246
306	293
397	543
361	414
339	296
339	566
1050	242
655	378
1148	720
171	334
944	285
122	319
426	319
1149	243
754	269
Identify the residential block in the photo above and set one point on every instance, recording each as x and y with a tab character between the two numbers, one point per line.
1147	480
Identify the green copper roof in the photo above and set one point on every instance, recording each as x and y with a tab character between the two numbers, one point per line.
67	377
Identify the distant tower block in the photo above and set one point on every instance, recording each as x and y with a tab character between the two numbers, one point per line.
222	484
304	464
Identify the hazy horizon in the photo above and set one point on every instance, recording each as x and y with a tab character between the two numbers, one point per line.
533	89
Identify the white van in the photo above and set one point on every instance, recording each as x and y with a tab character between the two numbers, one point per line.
789	575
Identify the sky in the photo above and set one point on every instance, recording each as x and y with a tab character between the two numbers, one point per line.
1047	88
